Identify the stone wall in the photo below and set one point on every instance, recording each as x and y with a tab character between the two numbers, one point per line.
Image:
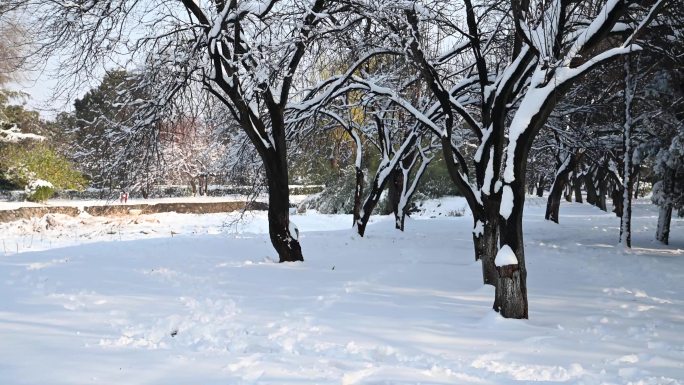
114	210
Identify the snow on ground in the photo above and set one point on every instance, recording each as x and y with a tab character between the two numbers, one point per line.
13	205
209	305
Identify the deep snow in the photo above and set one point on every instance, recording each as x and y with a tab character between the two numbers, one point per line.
182	299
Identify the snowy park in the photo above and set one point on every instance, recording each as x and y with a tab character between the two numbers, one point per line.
205	192
211	305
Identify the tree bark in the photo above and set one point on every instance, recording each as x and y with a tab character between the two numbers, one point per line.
286	244
511	289
590	186
394	195
486	241
553	202
618	203
577	187
369	205
602	189
358	194
664	220
541	185
193	186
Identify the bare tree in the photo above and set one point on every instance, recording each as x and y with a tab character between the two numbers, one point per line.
246	54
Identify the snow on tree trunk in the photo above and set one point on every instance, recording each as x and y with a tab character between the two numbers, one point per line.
358	194
486	241
394	195
627	150
511	288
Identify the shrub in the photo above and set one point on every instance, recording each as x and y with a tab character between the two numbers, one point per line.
22	165
39	191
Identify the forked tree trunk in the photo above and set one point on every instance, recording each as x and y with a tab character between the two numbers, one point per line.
664	220
486	241
369	204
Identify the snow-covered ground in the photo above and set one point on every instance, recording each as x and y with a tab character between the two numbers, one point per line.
13	205
185	299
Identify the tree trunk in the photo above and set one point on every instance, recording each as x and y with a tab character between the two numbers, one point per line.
602	189
553	202
638	183
618	202
369	205
558	186
286	244
511	288
568	193
358	194
193	186
394	191
541	185
664	219
486	241
627	151
577	187
590	186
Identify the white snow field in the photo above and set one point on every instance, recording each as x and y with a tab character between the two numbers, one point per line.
181	299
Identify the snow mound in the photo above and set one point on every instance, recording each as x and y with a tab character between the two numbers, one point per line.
505	257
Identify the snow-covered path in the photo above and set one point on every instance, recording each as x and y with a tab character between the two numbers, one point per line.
206	307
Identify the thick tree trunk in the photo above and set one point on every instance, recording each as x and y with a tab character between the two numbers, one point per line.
486	241
664	220
280	230
511	288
